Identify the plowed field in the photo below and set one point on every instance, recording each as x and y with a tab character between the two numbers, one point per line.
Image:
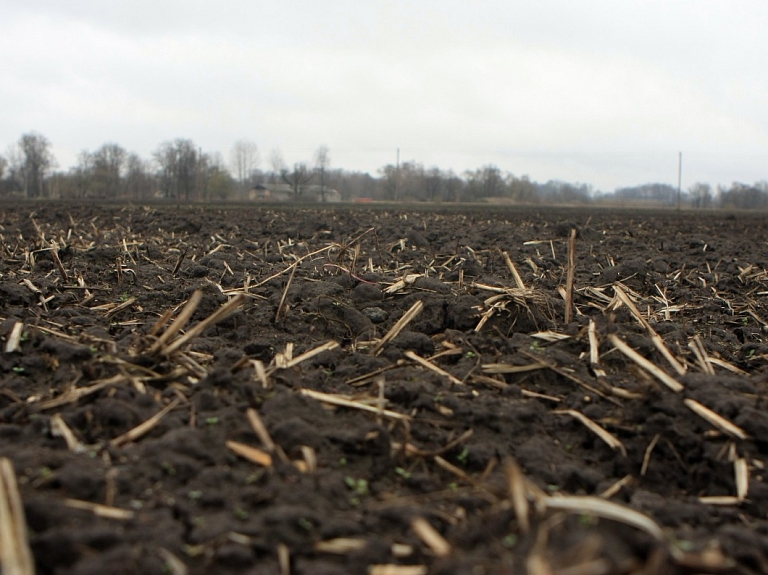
308	391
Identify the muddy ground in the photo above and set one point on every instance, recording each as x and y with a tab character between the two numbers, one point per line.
483	430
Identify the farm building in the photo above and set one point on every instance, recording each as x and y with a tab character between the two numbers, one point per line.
285	193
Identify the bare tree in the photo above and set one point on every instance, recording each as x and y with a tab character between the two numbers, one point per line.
138	179
745	197
165	157
3	168
244	160
701	195
403	182
434	184
298	178
454	186
33	163
485	182
219	183
390	176
214	181
277	163
108	164
82	175
322	163
178	169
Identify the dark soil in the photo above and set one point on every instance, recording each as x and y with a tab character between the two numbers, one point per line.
358	479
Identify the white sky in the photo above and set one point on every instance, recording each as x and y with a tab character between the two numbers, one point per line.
601	92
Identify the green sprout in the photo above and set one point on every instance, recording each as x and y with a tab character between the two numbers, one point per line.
359	486
404	473
305	524
254	477
509	540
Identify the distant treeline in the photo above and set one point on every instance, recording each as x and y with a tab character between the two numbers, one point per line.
180	170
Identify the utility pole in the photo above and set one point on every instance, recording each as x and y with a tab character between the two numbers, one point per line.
679	177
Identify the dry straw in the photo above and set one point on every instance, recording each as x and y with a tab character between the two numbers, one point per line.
430	537
14	339
143	428
415	310
651	368
327	346
342	401
658	342
263	434
61	429
513	270
15	554
105	511
570	276
716	420
607	437
605	509
224	311
517	493
398	570
252	454
280	313
432	367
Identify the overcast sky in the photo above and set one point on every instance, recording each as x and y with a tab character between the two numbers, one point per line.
593	91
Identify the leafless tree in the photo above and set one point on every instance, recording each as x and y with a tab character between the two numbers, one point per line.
3	168
108	164
219	183
434	184
389	181
31	164
277	163
454	186
701	195
213	179
244	159
178	169
298	178
486	182
322	163
138	179
82	175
